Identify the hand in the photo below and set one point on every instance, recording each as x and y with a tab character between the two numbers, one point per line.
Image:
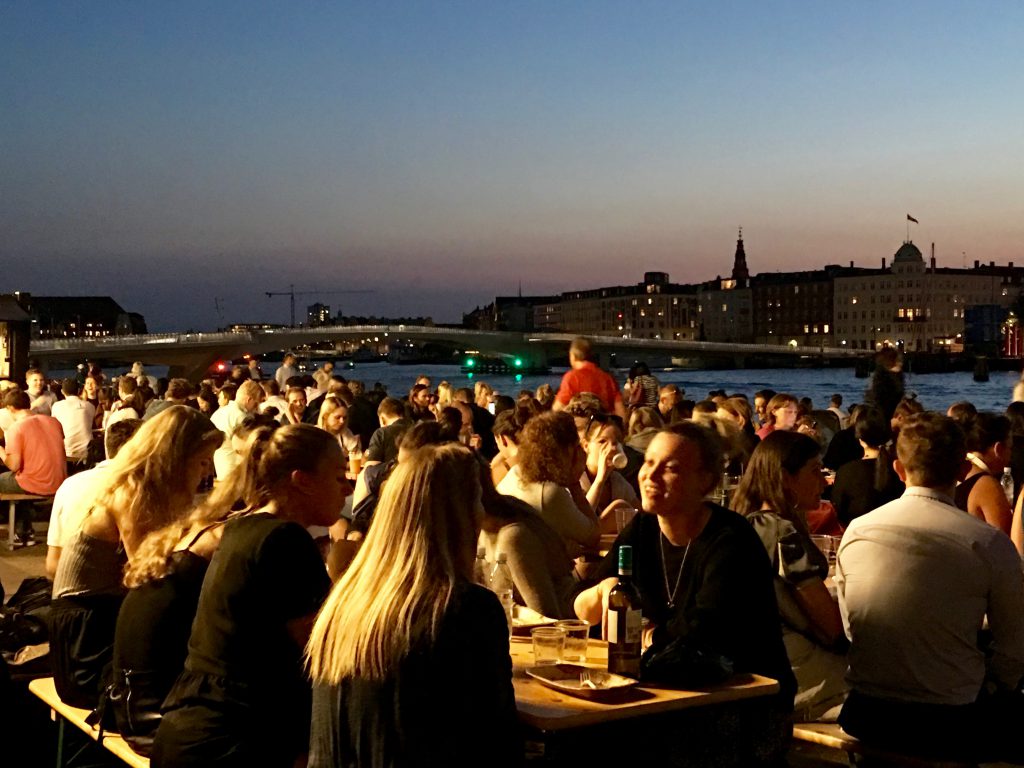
475	442
604	460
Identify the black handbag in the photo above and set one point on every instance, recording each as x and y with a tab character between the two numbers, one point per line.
129	706
676	664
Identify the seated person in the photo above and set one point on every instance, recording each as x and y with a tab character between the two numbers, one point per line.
917	579
702	573
783	482
410	659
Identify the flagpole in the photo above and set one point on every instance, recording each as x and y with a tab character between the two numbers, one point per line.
908	229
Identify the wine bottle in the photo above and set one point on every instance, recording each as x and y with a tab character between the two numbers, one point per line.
624	620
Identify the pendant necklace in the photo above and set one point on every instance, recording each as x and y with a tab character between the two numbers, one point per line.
664	569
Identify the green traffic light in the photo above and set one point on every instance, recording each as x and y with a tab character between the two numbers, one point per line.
518	362
470	362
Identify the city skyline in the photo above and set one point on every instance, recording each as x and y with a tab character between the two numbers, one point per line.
187	158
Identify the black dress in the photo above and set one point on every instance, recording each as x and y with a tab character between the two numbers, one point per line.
151	642
242	698
854	493
449	704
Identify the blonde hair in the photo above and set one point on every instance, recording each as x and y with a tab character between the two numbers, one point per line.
444	395
395	594
144	484
330	404
152	560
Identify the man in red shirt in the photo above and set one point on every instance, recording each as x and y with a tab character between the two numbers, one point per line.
585	376
34	455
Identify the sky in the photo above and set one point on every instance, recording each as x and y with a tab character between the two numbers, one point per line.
188	157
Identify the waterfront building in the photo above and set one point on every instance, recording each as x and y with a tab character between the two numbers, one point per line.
514	313
76	317
918	307
654	309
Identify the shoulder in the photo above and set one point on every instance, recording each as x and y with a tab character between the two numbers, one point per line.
729	530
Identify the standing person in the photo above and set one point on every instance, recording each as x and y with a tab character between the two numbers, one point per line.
242	699
782	483
76	417
584	376
917	578
255	372
645	388
406	646
886	388
835	405
865	484
286	371
780	414
702	575
34	456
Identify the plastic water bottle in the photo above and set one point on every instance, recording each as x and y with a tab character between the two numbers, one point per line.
501	585
482	568
1007	482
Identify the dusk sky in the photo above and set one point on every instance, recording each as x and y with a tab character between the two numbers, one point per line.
438	153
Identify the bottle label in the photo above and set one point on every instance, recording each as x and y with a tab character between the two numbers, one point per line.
629	628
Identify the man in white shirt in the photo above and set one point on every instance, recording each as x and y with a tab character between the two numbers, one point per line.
76	417
917	578
79	492
41	397
835	405
286	371
227	419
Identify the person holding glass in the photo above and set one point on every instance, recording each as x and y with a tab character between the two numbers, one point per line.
782	483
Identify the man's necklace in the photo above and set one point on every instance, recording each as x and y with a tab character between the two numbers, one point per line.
664	569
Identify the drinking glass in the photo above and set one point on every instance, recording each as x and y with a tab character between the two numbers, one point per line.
548	644
577	633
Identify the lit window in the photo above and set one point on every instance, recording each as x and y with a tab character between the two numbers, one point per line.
650	301
826	330
853	300
725	307
807	329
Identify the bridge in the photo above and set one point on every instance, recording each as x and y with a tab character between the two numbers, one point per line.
191	354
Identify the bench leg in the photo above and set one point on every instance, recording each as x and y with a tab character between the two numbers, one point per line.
12	510
60	742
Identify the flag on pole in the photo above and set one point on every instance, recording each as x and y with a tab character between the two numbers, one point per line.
911	218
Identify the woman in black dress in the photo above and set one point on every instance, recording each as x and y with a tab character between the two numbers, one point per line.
242	699
410	659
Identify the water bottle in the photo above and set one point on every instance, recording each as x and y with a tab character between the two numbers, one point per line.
482	568
501	585
1007	482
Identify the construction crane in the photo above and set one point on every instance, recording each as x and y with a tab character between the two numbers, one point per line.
292	293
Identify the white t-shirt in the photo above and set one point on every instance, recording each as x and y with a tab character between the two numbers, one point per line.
75	416
72	503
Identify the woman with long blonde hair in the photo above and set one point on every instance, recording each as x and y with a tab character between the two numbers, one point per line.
164	580
406	646
148	485
241	699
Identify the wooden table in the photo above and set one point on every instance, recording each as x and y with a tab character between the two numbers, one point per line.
569	728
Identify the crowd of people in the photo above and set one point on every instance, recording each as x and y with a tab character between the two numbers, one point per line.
218	598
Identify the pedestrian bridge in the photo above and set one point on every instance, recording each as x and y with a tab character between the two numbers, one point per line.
191	354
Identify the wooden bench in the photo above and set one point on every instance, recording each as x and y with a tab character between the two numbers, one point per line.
44	689
12	500
828	744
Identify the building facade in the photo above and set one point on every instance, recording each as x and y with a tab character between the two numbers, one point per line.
915	306
653	309
77	317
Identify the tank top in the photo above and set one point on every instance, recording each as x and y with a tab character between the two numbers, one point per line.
963	491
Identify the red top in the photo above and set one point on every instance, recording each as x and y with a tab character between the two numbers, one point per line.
589	378
39	441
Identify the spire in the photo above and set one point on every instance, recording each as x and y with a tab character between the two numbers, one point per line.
740	273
